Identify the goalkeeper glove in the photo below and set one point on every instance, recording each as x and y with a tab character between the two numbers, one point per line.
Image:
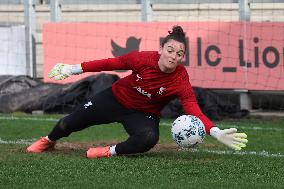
62	71
230	137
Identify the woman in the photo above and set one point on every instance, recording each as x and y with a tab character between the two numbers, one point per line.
135	101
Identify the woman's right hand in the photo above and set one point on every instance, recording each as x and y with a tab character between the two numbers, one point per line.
62	71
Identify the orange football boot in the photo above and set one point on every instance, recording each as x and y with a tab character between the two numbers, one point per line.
98	152
40	146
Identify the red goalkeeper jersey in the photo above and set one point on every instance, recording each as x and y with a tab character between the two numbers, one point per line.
148	89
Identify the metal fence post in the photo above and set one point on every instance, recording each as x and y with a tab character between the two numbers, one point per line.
30	31
147	11
244	15
244	10
55	11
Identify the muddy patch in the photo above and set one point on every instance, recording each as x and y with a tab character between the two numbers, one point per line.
77	146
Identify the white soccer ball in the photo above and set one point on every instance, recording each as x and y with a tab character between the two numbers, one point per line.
188	131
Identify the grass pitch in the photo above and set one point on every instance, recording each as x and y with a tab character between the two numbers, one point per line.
210	165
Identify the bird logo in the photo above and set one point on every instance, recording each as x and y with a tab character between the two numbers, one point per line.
132	44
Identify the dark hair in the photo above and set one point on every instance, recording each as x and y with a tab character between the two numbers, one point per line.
176	34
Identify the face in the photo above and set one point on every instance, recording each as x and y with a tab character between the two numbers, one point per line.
172	54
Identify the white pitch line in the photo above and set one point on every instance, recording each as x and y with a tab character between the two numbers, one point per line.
28	118
240	127
242	153
19	141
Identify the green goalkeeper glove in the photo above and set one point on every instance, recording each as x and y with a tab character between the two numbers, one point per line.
62	71
230	137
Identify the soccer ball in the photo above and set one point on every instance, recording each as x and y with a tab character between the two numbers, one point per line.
188	131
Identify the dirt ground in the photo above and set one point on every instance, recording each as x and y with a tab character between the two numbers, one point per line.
68	146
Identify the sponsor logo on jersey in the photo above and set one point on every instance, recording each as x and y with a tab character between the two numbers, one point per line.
143	92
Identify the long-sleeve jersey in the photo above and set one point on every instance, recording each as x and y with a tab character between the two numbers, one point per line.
148	89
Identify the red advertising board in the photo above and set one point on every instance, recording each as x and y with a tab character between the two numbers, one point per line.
238	55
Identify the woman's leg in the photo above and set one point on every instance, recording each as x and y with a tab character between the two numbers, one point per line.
143	130
102	108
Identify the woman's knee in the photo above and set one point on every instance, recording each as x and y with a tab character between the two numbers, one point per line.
147	140
66	126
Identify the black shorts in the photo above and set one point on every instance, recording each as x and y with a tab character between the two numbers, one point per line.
104	108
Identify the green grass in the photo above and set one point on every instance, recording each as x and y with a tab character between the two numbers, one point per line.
164	168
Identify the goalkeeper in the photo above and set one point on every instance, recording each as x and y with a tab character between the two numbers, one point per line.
135	101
